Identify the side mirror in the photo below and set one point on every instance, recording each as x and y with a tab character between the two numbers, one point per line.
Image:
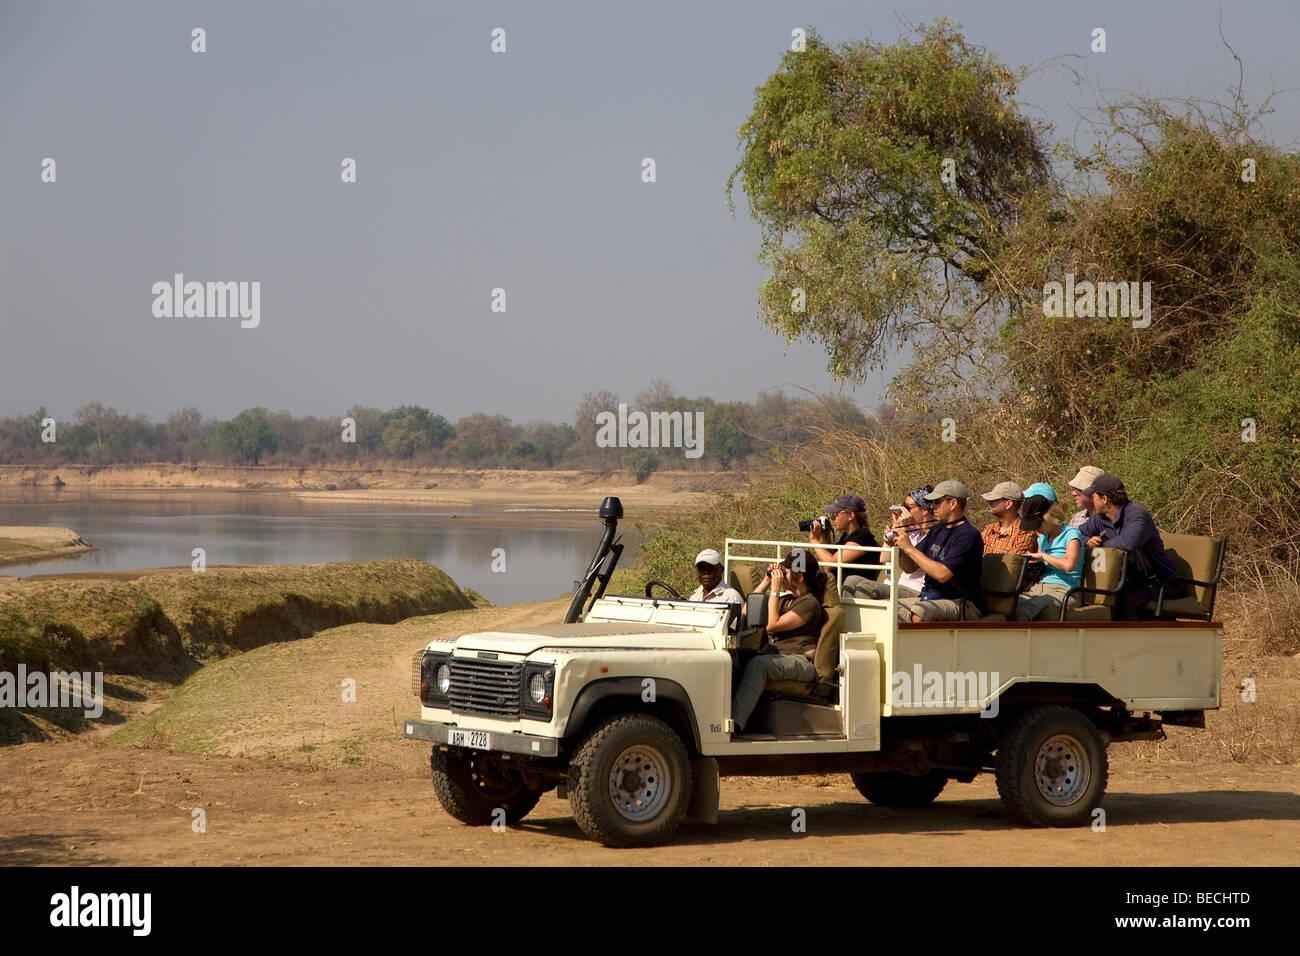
756	610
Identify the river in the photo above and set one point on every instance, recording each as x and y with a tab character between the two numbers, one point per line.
541	552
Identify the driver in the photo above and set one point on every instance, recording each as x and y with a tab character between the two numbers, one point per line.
708	568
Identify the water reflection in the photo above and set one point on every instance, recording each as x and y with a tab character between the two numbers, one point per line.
142	529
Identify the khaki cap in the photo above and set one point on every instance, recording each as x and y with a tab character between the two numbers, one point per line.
1086	476
948	489
1004	489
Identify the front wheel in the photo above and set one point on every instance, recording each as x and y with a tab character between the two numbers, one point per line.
1051	767
630	782
472	790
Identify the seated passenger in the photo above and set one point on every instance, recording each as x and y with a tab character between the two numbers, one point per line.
849	516
914	518
1039	497
1004	536
1061	550
1079	490
952	557
708	569
1118	522
794	622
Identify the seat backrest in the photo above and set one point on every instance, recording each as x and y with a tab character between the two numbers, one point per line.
744	577
1197	557
831	598
827	657
1001	572
1102	571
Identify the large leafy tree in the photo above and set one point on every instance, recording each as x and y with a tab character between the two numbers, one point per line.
404	437
883	178
246	437
479	438
436	428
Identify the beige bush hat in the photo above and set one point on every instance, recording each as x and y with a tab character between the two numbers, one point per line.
1086	476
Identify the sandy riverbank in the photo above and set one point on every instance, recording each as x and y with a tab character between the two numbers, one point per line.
523	489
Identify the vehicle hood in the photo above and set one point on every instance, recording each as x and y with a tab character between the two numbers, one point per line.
597	634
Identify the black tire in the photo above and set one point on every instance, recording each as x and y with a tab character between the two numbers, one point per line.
1052	767
893	788
471	790
624	761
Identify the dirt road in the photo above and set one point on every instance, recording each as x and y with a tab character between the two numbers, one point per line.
81	802
286	772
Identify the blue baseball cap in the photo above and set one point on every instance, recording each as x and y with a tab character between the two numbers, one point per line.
1042	489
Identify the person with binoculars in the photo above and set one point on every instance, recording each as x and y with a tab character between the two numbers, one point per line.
795	589
913	518
848	517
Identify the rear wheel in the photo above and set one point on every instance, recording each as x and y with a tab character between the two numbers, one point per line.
630	782
1052	768
474	791
892	788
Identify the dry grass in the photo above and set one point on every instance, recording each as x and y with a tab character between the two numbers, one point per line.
228	609
1261	640
286	701
161	625
20	544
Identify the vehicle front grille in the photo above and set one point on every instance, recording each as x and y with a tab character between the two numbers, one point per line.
485	687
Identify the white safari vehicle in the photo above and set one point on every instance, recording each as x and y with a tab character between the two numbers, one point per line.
626	708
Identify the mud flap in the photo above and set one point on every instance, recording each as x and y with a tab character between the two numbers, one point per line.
703	807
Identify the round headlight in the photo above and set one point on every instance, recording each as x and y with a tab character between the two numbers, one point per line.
537	688
443	677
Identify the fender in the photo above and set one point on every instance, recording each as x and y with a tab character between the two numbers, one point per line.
666	692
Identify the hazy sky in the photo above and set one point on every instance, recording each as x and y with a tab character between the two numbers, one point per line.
474	171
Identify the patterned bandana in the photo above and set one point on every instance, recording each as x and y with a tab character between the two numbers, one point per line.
918	495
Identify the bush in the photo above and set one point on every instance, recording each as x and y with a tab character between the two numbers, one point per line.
641	463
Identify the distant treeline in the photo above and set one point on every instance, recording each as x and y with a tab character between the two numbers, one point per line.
734	432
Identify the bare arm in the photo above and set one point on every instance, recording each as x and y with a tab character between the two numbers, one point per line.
852	555
1067	563
824	555
776	621
911	559
786	622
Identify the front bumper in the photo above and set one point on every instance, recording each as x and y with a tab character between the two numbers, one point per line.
528	744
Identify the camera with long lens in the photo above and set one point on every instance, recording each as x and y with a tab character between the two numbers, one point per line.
824	521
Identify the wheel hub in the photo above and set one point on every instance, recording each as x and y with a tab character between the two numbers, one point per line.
640	783
1062	770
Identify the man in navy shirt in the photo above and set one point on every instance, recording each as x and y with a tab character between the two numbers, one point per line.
952	557
1118	522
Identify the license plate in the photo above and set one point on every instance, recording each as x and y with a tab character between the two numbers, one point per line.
474	739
